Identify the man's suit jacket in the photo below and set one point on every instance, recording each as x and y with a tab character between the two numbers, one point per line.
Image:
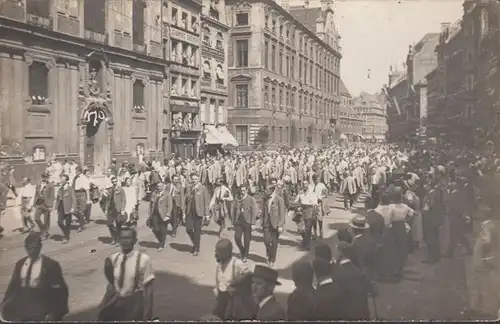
249	207
179	196
66	195
254	174
364	253
271	311
51	283
276	214
161	201
354	288
301	305
201	198
119	196
328	302
48	195
348	185
377	225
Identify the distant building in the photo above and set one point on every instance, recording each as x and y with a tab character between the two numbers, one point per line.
407	91
371	109
349	121
284	72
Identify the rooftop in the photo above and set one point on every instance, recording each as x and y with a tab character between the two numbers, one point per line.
307	16
343	89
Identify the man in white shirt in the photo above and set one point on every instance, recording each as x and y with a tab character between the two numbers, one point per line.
321	193
81	185
307	200
132	280
27	201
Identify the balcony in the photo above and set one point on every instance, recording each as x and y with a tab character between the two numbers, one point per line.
155	49
95	36
206	82
220	86
123	40
43	22
12	9
139	48
68	25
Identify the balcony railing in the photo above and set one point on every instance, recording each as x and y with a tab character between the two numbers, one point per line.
39	21
139	48
68	25
95	36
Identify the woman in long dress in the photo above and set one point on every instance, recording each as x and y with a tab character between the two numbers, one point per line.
413	201
131	202
402	216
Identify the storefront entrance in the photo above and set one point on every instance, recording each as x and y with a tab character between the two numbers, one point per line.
184	148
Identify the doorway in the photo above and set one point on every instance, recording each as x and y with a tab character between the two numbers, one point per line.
97	153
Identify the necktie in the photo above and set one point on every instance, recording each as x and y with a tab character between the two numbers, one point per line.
28	273
74	181
121	278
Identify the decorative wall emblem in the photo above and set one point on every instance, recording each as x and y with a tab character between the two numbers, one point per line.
94	115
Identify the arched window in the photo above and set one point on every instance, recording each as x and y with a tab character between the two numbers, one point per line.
206	35
207	73
219	40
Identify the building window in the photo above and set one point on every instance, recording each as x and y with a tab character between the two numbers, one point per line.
280	99
40	8
38	83
292	101
280	62
273	58
266	94
242	53
138	22
138	96
266	54
273	95
292	67
213	12
39	154
242	19
242	96
184	20
300	68
207	75
219	73
139	149
242	135
174	15
218	42
194	24
206	35
287	66
94	16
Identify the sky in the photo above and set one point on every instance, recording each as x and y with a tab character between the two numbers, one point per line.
376	34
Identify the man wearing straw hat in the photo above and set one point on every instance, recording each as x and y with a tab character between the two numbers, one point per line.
363	245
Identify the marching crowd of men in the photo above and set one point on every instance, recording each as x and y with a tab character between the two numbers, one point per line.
415	197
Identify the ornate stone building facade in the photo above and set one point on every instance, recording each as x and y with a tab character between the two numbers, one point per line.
183	19
349	121
283	72
85	80
214	77
371	109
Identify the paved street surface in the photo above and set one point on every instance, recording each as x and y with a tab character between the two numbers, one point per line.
184	283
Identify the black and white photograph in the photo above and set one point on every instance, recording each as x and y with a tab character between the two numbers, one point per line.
265	160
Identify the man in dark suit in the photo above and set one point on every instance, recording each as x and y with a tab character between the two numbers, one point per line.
197	209
245	211
273	220
65	204
264	280
178	203
328	300
301	302
160	211
37	290
44	202
363	246
115	209
352	283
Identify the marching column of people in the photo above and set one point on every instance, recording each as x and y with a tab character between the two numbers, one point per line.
418	199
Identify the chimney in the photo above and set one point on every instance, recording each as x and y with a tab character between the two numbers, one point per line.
445	26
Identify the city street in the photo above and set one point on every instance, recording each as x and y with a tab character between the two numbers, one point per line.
183	286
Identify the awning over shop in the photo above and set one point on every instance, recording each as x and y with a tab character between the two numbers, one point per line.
227	137
212	135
